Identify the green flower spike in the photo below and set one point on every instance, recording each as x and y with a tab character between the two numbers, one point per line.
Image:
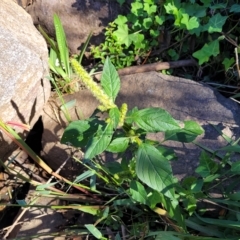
98	93
123	112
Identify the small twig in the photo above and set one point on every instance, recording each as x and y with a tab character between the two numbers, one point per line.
123	232
237	62
59	169
153	67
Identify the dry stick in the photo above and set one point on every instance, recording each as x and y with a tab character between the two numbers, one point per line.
153	67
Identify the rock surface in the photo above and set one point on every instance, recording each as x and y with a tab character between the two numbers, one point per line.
79	18
23	68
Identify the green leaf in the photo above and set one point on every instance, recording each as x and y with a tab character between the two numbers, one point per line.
121	2
122	35
208	50
173	209
187	134
154	170
149	8
160	19
79	132
153	198
221	223
207	166
137	7
234	148
167	235
100	141
216	23
235	8
94	231
235	167
84	175
138	192
74	133
121	20
118	145
190	23
155	120
147	22
62	44
114	115
110	80
228	62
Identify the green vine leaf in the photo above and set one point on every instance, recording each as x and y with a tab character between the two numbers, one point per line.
154	170
208	50
216	23
110	80
190	23
235	8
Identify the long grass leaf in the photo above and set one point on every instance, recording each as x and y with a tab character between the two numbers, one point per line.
83	50
62	44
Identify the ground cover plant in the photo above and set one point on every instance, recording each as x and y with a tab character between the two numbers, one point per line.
170	30
136	196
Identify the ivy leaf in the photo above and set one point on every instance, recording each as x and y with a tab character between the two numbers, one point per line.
121	2
147	22
150	9
138	40
235	8
154	120
120	20
154	170
160	19
138	192
137	7
189	23
216	23
228	62
110	80
100	141
122	35
208	50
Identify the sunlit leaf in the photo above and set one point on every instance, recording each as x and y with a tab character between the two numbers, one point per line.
154	170
208	50
110	80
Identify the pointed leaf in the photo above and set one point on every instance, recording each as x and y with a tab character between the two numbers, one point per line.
62	43
207	166
154	170
94	231
138	192
208	50
216	23
110	80
154	120
118	145
100	141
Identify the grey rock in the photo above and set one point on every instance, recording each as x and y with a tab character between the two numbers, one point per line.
23	68
79	18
